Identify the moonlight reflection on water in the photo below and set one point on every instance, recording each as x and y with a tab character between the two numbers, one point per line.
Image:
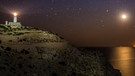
123	58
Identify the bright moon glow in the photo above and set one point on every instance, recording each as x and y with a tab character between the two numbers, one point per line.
124	16
15	14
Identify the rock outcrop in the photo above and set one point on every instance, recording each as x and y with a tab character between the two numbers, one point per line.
31	52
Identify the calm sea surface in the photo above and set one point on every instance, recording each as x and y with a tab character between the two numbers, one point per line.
122	58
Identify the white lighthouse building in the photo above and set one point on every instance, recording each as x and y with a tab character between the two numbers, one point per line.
15	17
14	24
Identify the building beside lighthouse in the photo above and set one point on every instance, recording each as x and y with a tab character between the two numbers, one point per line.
13	24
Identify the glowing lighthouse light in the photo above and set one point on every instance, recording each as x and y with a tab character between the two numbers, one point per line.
15	17
15	14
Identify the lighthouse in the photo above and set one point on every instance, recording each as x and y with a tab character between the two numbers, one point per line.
15	17
15	23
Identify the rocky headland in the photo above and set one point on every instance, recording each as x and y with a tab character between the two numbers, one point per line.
26	51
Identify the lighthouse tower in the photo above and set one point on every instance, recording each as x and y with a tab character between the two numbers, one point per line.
15	17
15	23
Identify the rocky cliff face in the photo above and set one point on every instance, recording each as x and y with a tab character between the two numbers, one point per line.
30	52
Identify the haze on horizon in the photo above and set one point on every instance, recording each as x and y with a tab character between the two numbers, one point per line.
81	22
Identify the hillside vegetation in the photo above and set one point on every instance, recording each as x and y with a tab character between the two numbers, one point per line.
27	51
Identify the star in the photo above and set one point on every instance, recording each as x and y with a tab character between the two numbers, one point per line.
107	11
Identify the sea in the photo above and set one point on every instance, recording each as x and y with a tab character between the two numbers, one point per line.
122	58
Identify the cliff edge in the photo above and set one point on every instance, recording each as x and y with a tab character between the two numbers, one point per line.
27	51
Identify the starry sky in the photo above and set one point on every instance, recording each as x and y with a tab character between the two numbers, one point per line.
92	23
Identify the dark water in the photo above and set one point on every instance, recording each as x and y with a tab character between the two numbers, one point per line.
122	58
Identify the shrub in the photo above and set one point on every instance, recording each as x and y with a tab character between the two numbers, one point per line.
0	41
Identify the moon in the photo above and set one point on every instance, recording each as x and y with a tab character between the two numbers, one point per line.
124	16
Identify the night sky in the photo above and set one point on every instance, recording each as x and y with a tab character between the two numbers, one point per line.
81	22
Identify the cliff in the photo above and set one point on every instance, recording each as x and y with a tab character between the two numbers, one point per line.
27	51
